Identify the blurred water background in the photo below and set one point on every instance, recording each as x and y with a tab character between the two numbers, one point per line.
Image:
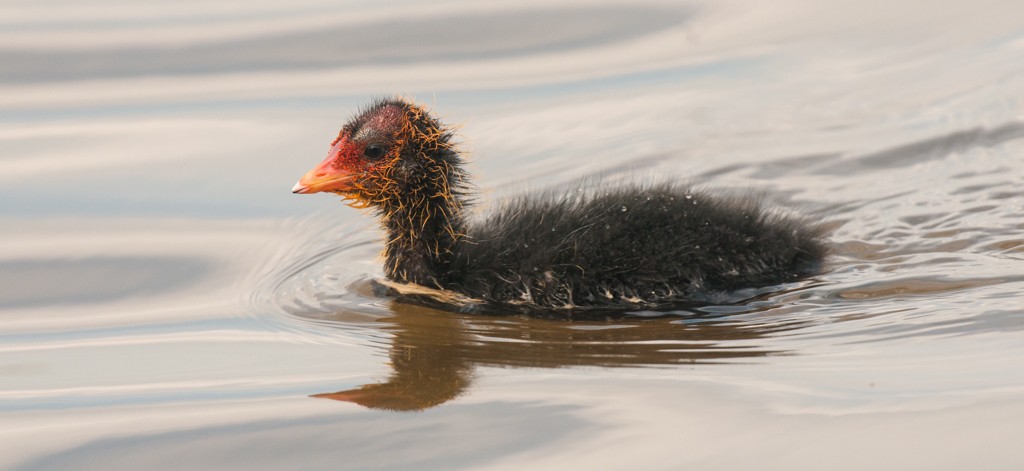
167	303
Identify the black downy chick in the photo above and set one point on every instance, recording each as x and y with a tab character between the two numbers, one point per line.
636	247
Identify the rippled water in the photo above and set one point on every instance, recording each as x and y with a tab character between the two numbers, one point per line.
166	302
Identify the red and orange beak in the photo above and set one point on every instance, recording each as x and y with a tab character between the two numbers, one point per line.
328	176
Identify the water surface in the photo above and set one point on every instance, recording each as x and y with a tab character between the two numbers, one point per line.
165	302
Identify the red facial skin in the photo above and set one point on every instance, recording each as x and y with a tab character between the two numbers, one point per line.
345	164
336	172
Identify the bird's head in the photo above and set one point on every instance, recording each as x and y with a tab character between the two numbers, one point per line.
390	152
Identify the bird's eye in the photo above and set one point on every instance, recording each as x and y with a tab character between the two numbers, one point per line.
373	151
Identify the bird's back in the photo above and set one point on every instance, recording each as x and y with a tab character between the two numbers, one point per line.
634	246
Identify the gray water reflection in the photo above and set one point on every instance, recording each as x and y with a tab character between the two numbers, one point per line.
44	282
935	148
397	38
337	441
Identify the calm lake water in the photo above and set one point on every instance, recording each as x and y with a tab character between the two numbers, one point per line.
167	303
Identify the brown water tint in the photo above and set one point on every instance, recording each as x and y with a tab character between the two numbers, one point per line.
434	353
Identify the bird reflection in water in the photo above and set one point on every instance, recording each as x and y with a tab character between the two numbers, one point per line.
434	352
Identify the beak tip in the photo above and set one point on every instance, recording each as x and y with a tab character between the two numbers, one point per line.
299	188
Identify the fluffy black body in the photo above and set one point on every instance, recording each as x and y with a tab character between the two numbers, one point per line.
626	248
634	247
